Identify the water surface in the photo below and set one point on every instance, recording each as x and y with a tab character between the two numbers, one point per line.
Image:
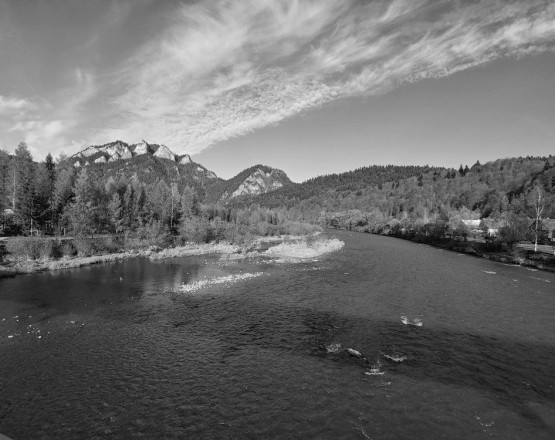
116	351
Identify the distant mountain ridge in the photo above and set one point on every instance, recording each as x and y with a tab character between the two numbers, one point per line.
142	160
392	190
119	150
404	191
321	186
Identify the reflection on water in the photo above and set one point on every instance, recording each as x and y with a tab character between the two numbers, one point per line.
309	350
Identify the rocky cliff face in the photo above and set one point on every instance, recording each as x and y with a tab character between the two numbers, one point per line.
119	150
260	182
253	181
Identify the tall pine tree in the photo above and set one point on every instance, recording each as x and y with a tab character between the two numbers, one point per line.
24	187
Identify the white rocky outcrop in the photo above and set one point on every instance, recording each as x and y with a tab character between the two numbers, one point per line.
164	153
141	148
120	150
89	151
185	160
115	151
259	182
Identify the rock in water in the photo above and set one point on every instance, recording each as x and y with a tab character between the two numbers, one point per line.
354	353
333	348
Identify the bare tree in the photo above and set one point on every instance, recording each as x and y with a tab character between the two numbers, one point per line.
540	204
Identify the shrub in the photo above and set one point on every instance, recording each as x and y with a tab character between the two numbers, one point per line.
87	246
84	246
196	230
31	248
151	234
68	248
3	253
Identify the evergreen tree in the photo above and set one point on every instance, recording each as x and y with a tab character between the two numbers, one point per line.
189	203
4	179
62	195
81	212
129	208
42	203
24	188
140	212
159	198
50	182
115	208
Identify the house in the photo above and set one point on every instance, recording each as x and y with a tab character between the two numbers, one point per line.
471	224
549	225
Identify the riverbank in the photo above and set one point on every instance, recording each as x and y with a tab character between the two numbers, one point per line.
288	247
494	252
490	251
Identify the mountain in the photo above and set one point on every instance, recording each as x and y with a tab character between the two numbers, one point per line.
149	162
253	181
119	150
144	162
488	190
322	186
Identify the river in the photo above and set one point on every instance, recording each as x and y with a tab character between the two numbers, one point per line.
118	351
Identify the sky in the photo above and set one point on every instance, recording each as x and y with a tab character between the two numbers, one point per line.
309	86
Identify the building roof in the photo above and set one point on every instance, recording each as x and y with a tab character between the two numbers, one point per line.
472	223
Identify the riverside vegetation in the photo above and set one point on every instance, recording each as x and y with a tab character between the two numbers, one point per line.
506	201
114	218
146	203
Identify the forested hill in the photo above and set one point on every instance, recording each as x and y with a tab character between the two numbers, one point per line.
221	190
366	176
420	192
320	187
148	169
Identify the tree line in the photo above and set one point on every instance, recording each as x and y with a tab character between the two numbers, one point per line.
374	198
53	197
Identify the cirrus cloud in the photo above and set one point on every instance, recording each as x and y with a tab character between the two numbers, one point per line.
223	69
218	70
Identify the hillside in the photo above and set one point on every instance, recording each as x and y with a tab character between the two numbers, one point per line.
148	169
370	198
253	181
322	187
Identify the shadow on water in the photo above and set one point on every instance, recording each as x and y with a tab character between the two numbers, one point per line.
514	373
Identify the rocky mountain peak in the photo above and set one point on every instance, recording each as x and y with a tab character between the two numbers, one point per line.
119	150
260	182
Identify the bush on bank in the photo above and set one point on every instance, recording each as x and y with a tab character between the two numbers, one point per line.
194	230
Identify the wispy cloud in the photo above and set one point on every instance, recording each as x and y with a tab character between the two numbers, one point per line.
223	69
13	106
50	122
